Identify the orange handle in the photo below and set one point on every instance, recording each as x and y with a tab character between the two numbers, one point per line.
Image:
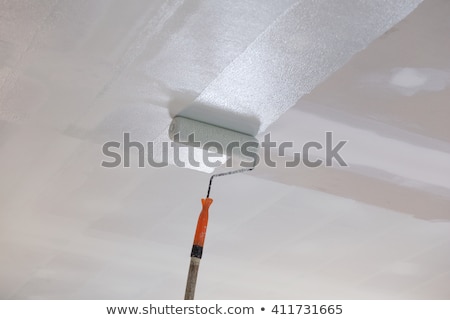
200	232
202	224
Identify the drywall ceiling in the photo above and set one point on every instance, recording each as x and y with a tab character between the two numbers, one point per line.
76	75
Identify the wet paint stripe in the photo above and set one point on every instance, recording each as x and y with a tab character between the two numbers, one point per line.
300	49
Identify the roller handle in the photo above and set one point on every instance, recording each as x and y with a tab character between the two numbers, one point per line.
197	249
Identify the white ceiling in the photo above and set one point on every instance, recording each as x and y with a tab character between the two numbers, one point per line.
74	75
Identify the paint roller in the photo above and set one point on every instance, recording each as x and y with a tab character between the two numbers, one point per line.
209	137
225	141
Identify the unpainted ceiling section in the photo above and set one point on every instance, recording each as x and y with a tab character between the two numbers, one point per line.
74	75
391	103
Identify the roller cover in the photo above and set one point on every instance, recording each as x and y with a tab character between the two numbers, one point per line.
206	136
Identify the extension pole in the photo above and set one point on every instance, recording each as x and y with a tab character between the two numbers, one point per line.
197	249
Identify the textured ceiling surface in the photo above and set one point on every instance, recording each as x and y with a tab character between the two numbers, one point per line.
74	75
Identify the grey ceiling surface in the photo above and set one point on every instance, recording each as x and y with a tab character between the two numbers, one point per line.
75	75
